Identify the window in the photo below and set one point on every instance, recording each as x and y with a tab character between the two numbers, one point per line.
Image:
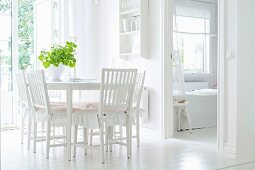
6	61
26	34
195	35
16	51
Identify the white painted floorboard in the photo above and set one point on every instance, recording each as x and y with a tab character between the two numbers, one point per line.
245	166
154	154
204	137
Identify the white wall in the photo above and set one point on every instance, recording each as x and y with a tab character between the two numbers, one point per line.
105	32
153	65
230	77
245	78
108	48
240	82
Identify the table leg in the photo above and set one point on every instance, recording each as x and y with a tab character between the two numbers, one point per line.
69	97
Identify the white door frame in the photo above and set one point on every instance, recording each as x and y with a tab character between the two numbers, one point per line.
167	45
167	87
221	75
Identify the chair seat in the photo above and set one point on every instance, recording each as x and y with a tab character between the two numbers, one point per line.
58	113
177	104
87	116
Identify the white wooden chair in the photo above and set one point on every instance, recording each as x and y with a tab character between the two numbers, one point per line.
44	111
135	112
136	104
117	87
25	105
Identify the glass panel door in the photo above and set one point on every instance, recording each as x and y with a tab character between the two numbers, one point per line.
26	34
16	52
6	83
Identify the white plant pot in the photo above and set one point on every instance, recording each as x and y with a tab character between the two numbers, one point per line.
55	73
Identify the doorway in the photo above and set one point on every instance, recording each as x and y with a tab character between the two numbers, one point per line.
195	71
194	26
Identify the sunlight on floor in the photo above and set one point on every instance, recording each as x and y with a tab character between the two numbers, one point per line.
153	154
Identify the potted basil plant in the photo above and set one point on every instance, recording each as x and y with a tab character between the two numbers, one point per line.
57	58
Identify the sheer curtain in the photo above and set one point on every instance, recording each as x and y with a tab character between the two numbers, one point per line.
178	75
78	26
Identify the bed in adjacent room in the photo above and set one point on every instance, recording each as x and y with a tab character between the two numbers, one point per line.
202	108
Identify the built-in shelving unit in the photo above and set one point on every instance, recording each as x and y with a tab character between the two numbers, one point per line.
133	28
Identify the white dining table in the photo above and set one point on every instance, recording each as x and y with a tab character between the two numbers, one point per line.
69	87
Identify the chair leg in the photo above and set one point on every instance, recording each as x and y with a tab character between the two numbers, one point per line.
43	127
54	131
35	136
91	136
85	139
179	118
48	138
110	137
75	140
64	134
29	133
121	131
22	130
137	130
188	118
101	136
128	138
107	132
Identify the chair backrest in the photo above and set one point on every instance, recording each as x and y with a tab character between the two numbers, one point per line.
117	87
138	89
24	93
38	89
55	95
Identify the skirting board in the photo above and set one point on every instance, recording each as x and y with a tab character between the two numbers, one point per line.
229	148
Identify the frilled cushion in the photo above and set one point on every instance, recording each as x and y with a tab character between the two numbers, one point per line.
58	113
87	116
25	112
88	106
136	112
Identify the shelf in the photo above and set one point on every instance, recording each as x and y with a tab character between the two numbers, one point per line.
130	12
129	33
136	17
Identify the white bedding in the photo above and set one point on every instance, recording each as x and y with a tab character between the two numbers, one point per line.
202	108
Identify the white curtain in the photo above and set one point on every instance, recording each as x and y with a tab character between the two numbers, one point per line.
78	26
195	9
178	75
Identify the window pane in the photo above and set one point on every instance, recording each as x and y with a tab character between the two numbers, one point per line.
26	34
6	62
194	53
192	25
6	76
5	32
193	46
5	7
